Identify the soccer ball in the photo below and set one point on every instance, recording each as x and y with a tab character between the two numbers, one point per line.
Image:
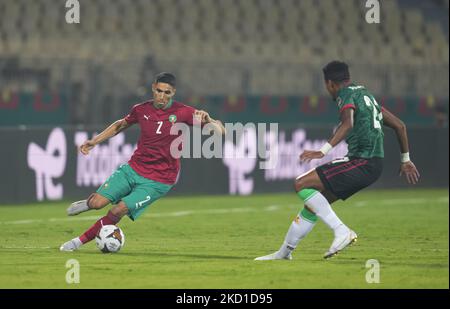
110	238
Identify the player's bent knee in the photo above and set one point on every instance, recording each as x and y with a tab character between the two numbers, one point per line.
120	210
96	201
299	184
306	194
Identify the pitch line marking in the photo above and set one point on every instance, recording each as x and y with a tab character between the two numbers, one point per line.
269	208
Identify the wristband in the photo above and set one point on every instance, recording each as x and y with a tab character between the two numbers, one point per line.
326	148
404	157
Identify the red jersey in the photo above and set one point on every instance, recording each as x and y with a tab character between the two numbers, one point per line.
152	158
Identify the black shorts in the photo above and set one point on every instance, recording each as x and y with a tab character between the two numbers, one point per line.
344	177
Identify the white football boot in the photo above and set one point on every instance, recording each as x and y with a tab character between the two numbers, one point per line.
77	207
340	242
274	256
71	245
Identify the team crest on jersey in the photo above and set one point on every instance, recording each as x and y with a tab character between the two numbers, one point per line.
172	118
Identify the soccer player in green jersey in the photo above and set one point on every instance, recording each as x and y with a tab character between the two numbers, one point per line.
362	120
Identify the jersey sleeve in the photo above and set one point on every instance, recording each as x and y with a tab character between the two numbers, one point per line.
187	113
345	101
132	117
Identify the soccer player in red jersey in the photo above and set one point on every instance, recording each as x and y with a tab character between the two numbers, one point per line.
152	171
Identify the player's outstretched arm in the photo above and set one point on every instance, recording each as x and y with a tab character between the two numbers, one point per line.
206	118
407	167
110	131
343	129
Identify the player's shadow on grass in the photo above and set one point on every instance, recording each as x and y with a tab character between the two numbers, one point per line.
165	255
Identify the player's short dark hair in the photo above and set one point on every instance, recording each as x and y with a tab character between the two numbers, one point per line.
167	78
336	71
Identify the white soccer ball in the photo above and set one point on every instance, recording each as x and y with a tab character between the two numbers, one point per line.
110	238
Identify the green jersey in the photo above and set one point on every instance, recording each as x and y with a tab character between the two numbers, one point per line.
365	140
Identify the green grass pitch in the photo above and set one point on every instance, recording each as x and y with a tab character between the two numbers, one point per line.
211	241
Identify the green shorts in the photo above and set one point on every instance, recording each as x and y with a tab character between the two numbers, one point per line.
135	191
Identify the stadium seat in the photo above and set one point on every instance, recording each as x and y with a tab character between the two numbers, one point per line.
248	36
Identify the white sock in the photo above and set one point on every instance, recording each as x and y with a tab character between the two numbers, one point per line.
319	204
296	232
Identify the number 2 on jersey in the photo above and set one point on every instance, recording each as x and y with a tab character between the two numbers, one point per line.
377	116
158	131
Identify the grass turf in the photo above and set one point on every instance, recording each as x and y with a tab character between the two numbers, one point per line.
211	241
